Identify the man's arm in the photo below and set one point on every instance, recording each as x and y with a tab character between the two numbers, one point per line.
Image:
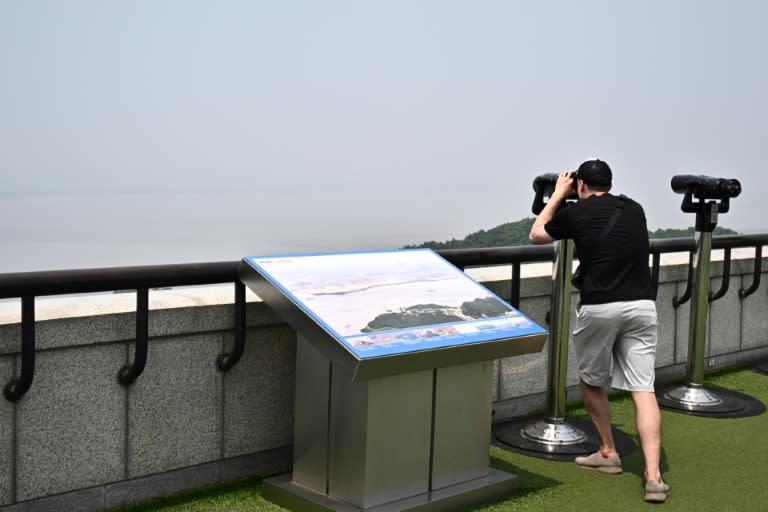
563	189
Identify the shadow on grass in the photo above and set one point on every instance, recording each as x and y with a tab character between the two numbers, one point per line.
244	488
528	482
635	463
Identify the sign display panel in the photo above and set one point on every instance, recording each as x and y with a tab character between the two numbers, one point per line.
393	302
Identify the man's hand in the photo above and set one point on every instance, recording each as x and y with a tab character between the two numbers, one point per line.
564	186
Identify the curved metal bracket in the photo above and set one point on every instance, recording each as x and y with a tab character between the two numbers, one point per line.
225	361
678	301
130	372
755	275
726	276
514	293
17	387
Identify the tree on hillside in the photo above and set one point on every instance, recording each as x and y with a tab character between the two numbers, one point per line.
511	233
689	231
516	233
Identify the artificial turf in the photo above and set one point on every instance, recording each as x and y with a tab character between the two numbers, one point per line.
712	464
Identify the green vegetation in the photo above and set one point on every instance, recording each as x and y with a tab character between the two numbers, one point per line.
511	233
712	465
681	233
516	233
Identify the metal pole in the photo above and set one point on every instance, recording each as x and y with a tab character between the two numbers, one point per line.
554	430
697	330
558	340
694	393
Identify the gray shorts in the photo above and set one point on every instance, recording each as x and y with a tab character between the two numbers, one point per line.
622	333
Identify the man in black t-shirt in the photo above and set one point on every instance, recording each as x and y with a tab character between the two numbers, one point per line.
616	324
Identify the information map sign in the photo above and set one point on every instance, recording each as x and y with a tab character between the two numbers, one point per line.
386	303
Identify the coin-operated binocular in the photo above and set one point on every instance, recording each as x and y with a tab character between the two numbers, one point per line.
552	434
705	196
544	186
712	197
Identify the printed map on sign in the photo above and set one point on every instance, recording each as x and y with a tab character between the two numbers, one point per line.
390	302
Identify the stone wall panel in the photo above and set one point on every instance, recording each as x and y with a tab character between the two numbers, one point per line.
259	392
71	423
666	314
754	320
174	408
520	375
725	318
6	434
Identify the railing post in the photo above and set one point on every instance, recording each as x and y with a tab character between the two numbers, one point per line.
130	372
743	293
679	301
17	387
514	294
225	361
719	294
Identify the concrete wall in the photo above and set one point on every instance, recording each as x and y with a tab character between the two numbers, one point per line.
78	428
78	440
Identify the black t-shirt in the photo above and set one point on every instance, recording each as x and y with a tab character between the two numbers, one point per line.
618	271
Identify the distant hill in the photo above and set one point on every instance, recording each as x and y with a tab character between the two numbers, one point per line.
511	233
689	231
516	233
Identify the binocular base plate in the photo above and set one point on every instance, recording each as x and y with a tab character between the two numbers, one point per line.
554	433
731	404
694	396
510	435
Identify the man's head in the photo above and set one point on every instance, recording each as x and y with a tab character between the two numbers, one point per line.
595	174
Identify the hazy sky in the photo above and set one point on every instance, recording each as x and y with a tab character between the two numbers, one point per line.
160	131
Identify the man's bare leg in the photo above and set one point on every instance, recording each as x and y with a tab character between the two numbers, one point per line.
599	409
648	420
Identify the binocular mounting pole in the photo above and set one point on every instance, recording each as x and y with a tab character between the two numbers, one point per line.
693	392
553	429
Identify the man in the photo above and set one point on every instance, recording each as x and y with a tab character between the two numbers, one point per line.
616	318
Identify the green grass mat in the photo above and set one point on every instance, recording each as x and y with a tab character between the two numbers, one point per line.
712	464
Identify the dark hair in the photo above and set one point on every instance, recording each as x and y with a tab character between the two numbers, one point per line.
596	174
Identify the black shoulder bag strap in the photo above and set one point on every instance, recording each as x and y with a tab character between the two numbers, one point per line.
612	221
578	277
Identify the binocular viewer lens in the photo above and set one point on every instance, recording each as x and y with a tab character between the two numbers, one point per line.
545	182
706	186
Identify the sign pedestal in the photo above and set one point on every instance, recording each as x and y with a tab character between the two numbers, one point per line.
403	442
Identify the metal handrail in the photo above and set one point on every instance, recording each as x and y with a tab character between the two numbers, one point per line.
29	285
62	282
